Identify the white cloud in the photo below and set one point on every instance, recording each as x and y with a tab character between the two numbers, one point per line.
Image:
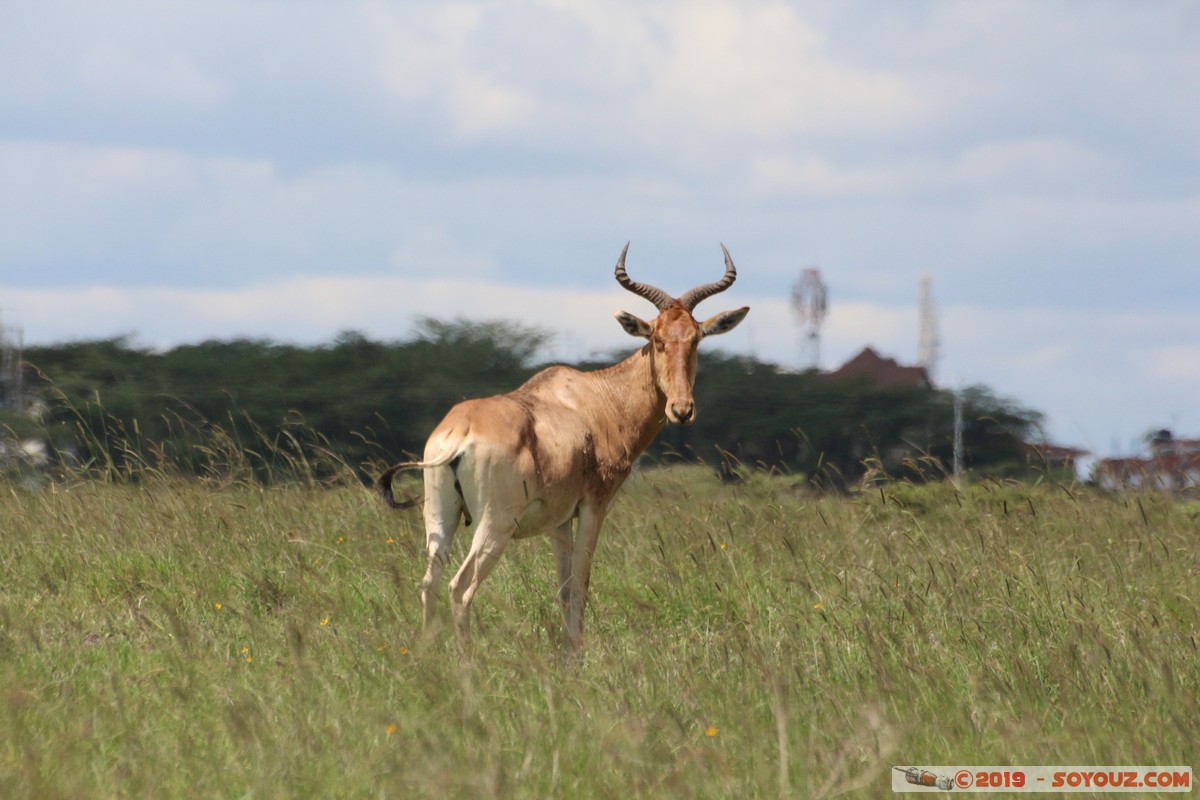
1104	376
305	310
633	78
754	72
1056	164
1023	167
426	62
150	76
789	173
62	172
66	206
1175	364
313	309
125	214
90	62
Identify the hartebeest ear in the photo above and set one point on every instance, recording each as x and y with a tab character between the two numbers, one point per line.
632	325
723	322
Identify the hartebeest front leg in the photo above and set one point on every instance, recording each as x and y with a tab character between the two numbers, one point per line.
575	560
563	539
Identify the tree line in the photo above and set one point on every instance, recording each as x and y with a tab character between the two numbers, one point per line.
365	401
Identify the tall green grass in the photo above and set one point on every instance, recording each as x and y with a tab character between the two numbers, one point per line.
163	637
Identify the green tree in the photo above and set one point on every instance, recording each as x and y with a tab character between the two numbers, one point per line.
357	399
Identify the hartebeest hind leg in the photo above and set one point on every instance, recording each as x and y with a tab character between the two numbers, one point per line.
443	509
491	536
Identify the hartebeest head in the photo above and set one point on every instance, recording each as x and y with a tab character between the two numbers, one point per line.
675	334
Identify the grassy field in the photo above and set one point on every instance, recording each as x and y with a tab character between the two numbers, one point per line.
168	638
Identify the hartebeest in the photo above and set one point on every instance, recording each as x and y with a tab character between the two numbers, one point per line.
557	450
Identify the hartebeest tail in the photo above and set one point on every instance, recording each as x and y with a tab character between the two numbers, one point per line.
550	456
384	482
384	485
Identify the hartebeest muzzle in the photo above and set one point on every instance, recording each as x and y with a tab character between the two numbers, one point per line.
681	412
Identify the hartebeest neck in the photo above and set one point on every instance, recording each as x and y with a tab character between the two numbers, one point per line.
631	411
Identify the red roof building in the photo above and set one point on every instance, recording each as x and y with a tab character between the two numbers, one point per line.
883	372
1053	456
1173	466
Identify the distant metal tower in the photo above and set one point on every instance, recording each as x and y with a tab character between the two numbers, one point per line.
12	375
927	332
810	301
958	434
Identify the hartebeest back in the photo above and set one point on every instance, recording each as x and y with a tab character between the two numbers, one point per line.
557	450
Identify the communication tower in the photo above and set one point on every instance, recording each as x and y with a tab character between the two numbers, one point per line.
927	328
810	301
12	375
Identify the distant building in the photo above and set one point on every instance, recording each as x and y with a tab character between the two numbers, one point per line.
1046	456
1173	466
27	452
884	372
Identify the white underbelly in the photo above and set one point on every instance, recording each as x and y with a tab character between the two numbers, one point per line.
541	517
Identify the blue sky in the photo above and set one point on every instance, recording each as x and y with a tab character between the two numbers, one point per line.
181	171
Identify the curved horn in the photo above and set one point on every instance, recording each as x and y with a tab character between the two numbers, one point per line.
652	293
692	297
